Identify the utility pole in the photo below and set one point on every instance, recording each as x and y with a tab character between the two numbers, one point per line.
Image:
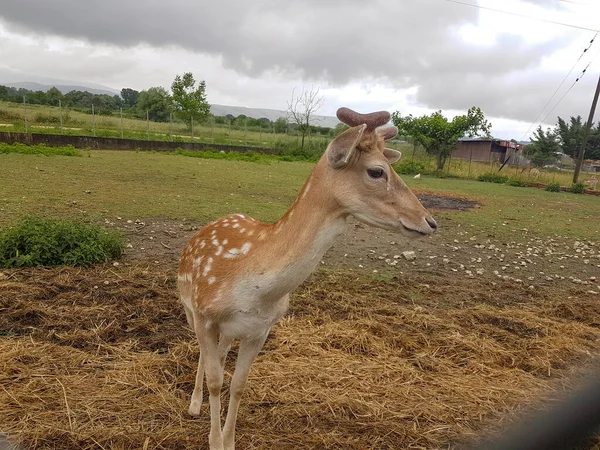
588	127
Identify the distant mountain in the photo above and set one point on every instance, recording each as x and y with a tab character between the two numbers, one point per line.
64	88
271	114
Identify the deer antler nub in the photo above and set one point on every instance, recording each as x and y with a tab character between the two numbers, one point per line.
372	120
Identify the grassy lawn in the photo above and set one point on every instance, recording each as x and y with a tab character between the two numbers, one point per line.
107	184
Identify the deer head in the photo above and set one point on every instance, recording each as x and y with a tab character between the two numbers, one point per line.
364	182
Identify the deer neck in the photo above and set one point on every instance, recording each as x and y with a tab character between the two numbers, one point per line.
311	225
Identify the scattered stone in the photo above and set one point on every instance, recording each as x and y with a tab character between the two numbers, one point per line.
409	255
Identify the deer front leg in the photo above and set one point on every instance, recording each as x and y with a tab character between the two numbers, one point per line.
246	354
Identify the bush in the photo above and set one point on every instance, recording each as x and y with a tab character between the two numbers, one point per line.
44	242
517	183
492	178
577	188
410	168
553	187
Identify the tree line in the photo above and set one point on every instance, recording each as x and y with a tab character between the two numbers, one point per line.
186	102
565	137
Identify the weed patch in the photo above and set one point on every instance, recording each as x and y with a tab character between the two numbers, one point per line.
39	149
492	178
43	242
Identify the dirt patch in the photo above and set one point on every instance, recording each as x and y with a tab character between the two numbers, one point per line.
455	251
444	202
103	358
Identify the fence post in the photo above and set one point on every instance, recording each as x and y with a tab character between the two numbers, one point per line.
121	112
245	131
60	116
93	121
192	129
470	159
147	125
171	126
25	113
212	130
229	132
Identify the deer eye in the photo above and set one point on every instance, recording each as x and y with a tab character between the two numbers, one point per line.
376	172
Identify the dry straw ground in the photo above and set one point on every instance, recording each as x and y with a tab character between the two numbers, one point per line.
101	358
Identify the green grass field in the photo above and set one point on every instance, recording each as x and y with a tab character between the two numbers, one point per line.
46	119
106	184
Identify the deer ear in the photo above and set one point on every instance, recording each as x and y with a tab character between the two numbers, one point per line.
392	155
341	148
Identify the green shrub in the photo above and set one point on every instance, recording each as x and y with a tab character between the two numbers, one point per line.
44	242
410	168
492	178
517	183
39	149
553	187
577	188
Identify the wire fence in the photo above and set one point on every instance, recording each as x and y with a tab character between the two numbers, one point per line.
103	122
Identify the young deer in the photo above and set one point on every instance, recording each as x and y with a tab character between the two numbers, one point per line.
236	273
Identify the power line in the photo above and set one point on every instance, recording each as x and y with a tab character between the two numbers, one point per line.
568	90
559	86
522	15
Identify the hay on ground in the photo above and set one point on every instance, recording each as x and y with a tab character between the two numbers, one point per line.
103	358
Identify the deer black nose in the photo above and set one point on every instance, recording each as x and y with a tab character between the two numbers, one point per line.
432	223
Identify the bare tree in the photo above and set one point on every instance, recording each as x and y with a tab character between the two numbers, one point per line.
302	108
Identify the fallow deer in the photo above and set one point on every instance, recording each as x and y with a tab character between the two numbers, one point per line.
236	273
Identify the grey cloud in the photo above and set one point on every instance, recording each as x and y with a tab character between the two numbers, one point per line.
519	99
332	41
404	43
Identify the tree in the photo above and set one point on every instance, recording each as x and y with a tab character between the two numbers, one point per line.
280	125
130	96
438	135
301	108
339	129
592	150
157	102
189	101
53	96
571	135
571	138
543	148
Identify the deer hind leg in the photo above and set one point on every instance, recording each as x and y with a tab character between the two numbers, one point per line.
196	401
210	365
189	316
246	354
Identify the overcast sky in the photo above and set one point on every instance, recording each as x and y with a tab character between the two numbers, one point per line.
412	56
